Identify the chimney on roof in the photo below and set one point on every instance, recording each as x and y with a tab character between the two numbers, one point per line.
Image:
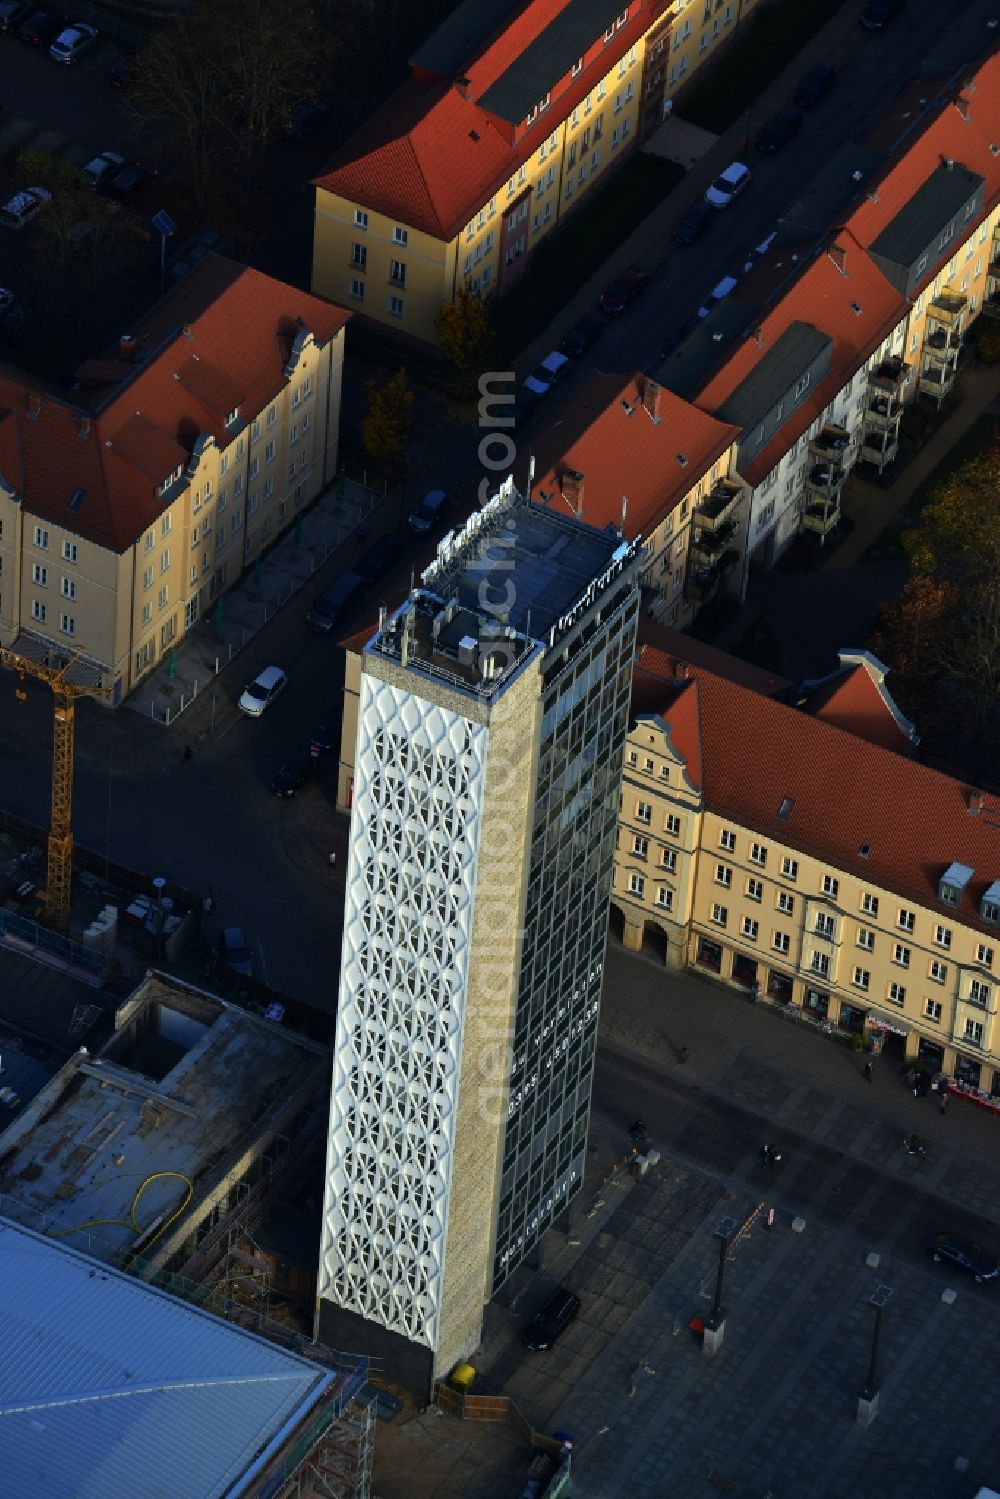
681	671
187	331
464	87
974	803
838	255
649	393
34	403
964	107
757	334
126	348
571	489
948	162
84	428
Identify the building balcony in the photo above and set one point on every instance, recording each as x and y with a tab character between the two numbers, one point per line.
821	517
949	309
942	345
890	378
825	481
710	545
718	507
883	412
936	380
703	582
878	447
831	445
991	304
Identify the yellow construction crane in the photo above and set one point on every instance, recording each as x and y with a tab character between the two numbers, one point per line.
65	692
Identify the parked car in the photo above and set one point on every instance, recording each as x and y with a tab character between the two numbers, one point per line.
623	291
23	207
129	181
728	185
293	775
546	374
815	86
582	336
879	13
551	1322
235	952
261	692
779	130
428	512
759	251
378	560
694	223
101	167
12	13
39	29
72	42
333	602
960	1251
719	291
326	735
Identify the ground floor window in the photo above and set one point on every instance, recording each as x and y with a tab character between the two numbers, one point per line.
817	1003
744	969
710	954
968	1071
851	1019
779	987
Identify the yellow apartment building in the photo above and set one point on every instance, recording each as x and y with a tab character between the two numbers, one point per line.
129	504
800	848
511	115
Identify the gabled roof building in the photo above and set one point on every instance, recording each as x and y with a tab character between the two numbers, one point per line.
131	501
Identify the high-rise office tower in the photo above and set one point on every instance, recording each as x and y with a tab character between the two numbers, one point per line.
492	717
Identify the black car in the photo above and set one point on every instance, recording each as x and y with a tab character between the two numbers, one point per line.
39	29
815	86
293	775
12	12
547	1325
129	181
879	13
960	1251
326	736
333	602
582	336
694	223
779	130
378	560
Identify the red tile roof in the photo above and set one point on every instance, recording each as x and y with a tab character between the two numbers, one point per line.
825	297
947	136
225	330
666	654
626	455
856	699
846	792
431	158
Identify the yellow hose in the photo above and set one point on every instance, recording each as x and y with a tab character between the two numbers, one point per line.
132	1222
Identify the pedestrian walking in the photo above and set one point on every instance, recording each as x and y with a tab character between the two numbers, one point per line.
332	860
755	991
869	1072
943	1105
208	901
187	755
682	1055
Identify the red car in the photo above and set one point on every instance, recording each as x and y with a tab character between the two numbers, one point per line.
623	291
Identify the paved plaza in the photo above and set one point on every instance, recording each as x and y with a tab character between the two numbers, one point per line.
774	1413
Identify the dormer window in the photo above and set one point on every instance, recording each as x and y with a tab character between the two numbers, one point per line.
989	910
952	884
233	417
171	480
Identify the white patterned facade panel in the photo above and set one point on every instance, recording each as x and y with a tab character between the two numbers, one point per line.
411	883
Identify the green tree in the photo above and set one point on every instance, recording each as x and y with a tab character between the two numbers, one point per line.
386	427
465	330
958	539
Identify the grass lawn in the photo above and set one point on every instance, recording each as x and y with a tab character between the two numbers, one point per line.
980	436
764	46
577	250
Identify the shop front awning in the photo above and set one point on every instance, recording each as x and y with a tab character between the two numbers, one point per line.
882	1022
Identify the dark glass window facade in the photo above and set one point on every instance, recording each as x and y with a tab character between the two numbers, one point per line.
585	720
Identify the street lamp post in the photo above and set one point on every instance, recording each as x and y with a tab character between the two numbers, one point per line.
868	1399
715	1322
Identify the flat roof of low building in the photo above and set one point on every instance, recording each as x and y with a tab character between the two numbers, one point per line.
139	1134
111	1389
43	1003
